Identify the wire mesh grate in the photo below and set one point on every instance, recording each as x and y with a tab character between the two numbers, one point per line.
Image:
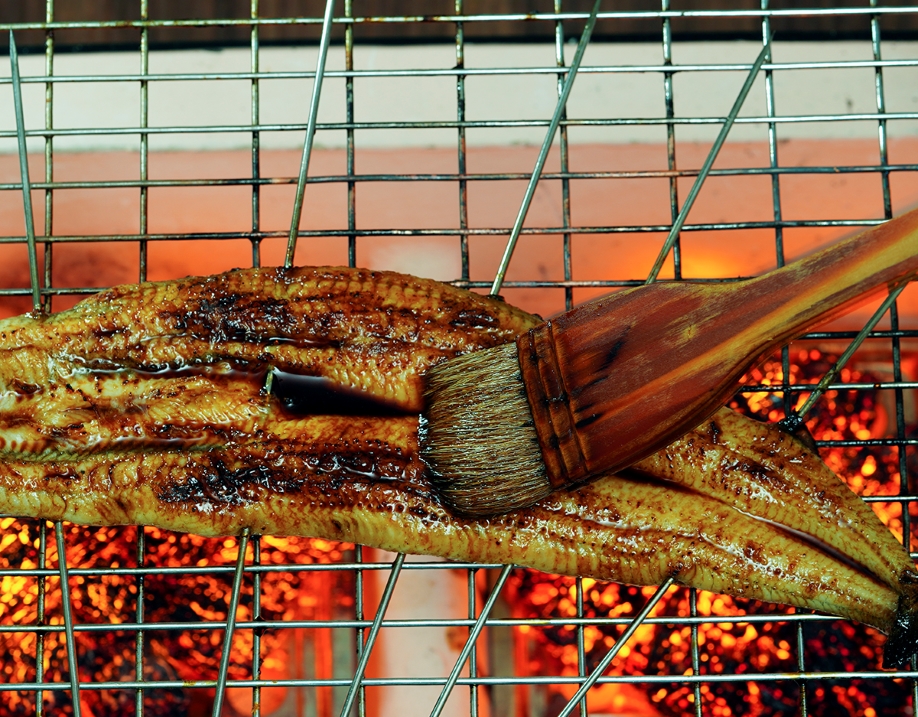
215	140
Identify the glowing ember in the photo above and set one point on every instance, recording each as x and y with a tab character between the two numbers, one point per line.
169	597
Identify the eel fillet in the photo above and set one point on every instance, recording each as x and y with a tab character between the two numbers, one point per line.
148	405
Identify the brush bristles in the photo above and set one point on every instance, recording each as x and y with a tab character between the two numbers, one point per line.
477	436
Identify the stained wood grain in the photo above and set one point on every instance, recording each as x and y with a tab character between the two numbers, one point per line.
617	378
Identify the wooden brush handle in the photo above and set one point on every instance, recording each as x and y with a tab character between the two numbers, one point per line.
618	378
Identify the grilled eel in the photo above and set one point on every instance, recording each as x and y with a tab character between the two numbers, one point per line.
149	405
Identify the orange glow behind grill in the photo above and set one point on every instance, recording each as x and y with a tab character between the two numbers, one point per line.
169	597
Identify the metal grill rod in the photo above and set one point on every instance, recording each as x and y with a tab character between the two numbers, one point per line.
464	176
833	372
470	642
140	638
143	214
543	152
256	634
619	644
687	68
24	175
481	232
466	124
371	637
40	641
406	623
67	609
544	680
310	132
230	624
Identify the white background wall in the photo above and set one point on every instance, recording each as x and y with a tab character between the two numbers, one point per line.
636	93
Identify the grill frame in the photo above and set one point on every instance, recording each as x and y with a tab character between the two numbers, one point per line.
363	623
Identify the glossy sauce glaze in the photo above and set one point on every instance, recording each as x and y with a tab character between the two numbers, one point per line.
162	414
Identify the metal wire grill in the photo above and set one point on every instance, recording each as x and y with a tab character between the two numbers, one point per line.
243	578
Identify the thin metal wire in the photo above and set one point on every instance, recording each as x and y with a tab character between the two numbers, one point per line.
359	616
49	151
66	605
489	231
476	176
67	609
371	637
142	248
310	132
351	161
24	176
565	168
543	152
461	147
256	617
882	136
254	49
41	618
43	526
430	622
140	635
706	167
466	651
542	680
836	368
801	668
471	599
669	104
616	648
230	624
695	653
420	72
581	640
468	124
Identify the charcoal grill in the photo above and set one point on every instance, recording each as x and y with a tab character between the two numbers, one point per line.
671	93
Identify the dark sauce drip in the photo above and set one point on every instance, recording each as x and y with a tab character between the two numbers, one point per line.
317	396
300	342
298	394
796	427
23	388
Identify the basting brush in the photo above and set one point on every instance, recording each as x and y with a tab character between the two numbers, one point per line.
611	381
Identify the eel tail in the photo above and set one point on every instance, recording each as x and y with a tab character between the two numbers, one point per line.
902	642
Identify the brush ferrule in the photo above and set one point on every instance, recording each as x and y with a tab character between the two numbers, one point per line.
554	424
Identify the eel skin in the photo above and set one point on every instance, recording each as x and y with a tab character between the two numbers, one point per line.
150	404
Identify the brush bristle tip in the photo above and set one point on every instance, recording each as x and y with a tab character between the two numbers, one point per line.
478	438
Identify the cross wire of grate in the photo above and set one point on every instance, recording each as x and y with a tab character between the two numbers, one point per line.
772	120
